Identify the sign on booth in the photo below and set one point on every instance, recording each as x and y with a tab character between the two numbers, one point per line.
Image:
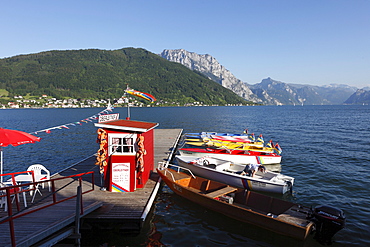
120	177
108	117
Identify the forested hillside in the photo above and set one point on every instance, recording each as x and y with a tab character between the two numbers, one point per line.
102	74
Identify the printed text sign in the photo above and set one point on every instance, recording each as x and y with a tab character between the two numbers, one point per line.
108	117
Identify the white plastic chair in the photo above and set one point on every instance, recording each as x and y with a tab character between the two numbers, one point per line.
3	200
40	171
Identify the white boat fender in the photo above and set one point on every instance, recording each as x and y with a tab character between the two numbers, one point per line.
227	199
272	215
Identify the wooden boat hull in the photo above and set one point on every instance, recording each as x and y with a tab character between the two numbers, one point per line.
267	212
229	173
237	156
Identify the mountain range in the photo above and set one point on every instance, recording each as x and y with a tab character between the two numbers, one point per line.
175	77
269	91
103	74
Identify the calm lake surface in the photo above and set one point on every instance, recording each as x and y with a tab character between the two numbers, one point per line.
326	149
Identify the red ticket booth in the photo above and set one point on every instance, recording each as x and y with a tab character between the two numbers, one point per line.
126	154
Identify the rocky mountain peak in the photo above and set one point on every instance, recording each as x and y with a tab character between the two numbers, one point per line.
211	68
361	96
268	91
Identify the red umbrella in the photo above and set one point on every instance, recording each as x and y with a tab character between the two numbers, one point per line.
14	138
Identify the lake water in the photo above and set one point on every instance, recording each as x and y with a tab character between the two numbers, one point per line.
326	149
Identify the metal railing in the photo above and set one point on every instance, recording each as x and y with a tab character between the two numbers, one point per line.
164	167
15	189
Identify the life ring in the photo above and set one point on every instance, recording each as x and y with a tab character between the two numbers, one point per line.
140	154
101	157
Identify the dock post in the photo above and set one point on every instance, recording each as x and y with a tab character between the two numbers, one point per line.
10	213
78	216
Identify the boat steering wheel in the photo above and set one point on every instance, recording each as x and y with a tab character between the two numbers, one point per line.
206	162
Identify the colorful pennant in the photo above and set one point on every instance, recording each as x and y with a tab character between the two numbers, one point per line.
146	96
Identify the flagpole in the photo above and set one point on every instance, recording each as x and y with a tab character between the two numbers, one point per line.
128	105
139	94
128	110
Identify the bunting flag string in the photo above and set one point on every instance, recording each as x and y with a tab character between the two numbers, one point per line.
85	120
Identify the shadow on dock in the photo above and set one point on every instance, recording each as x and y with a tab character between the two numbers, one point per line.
103	209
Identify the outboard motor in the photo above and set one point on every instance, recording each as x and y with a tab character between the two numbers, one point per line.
329	221
290	186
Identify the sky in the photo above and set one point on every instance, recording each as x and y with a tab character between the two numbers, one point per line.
315	42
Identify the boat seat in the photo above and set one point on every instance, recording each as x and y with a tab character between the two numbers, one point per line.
223	166
220	192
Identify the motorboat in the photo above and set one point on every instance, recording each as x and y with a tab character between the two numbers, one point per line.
270	213
232	174
238	156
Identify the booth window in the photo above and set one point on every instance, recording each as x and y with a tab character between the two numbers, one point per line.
122	144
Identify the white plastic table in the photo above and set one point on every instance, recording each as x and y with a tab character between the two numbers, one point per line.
27	178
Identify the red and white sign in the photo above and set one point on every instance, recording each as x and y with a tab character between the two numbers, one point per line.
120	177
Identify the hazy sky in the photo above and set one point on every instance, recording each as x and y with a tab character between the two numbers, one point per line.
315	42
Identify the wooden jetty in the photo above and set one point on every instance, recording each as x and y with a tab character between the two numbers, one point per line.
128	210
103	209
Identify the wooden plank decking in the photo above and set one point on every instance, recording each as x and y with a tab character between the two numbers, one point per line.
126	210
34	227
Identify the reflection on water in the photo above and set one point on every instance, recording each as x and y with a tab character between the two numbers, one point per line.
325	148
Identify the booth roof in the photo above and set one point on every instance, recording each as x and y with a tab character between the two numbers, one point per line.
128	125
